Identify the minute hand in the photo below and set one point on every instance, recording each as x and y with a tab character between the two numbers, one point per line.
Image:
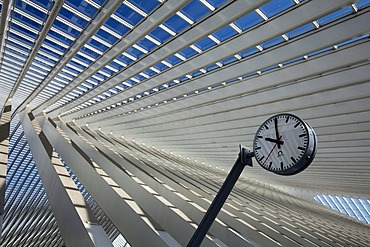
277	132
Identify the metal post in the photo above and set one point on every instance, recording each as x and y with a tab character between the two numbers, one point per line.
245	158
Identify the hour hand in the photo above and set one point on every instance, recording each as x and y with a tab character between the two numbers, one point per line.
279	142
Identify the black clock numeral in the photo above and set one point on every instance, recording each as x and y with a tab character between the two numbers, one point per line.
260	159
296	125
270	165
267	127
257	148
294	160
287	119
282	165
260	137
302	135
301	148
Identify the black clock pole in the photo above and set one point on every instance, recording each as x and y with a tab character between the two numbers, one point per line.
245	158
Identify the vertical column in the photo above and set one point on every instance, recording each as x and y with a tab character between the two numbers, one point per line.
4	143
75	219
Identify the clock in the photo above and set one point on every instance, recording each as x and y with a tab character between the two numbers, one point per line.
285	144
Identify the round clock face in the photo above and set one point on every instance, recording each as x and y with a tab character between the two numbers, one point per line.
285	144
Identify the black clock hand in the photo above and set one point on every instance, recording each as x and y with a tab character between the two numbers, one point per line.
277	132
268	156
278	142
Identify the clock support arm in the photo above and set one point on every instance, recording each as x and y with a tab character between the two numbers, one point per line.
244	159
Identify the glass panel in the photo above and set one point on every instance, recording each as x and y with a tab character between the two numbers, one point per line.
55	45
38	70
147	44
23	31
20	39
46	4
301	30
249	52
145	5
216	3
270	68
134	52
106	36
320	51
195	10
89	52
124	59
272	42
150	72
293	61
26	21
37	62
275	7
82	7
211	67
72	73
160	66
53	54
65	28
335	16
128	15
101	75
76	65
188	52
97	45
160	34
228	60
248	21
116	26
17	46
107	71
116	65
100	2
363	4
92	79
173	60
224	33
83	59
60	37
196	73
72	18
30	10
176	23
205	43
348	206
131	82
140	77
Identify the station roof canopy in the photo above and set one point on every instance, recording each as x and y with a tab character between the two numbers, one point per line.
196	78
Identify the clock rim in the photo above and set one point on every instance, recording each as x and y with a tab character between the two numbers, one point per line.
308	155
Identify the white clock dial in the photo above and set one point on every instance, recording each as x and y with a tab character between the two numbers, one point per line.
284	144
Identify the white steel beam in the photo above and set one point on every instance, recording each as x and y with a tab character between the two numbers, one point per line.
125	218
75	219
162	214
249	39
4	145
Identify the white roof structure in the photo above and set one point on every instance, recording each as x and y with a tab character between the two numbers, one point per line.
190	80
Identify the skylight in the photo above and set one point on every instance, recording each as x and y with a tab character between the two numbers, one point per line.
356	208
